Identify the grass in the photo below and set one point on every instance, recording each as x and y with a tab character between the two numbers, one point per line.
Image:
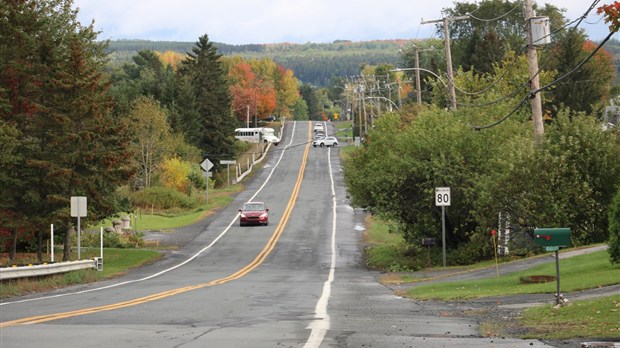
576	273
599	318
165	221
387	250
591	319
344	129
115	262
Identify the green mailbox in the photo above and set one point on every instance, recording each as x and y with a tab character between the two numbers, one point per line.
552	237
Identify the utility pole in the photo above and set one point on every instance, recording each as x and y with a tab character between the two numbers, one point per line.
417	72
446	34
532	59
417	75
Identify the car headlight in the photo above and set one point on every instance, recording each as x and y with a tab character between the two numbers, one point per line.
243	215
264	216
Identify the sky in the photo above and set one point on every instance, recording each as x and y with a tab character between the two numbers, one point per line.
239	22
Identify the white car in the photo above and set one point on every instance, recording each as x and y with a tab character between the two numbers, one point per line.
326	141
318	127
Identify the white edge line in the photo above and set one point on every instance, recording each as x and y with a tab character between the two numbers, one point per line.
321	324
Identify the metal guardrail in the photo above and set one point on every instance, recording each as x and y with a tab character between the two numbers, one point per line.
47	269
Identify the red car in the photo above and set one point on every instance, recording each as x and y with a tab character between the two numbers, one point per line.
254	213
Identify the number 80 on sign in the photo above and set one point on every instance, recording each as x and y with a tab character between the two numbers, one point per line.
442	196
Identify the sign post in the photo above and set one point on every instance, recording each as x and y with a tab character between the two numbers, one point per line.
78	209
206	165
442	199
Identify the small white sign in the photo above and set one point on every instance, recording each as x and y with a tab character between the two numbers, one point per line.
442	196
78	206
227	162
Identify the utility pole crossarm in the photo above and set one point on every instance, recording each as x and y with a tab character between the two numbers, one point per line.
448	18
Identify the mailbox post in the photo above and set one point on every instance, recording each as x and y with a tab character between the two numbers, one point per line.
552	239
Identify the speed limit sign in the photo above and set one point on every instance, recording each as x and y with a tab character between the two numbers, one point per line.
442	196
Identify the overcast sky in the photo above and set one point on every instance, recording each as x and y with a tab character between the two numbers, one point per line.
276	21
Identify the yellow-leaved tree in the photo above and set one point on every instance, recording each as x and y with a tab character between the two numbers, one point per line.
174	173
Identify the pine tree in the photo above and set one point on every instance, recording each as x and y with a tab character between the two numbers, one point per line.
216	123
53	77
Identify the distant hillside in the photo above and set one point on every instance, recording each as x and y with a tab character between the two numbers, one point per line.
312	63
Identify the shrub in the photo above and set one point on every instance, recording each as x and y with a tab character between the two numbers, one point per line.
162	198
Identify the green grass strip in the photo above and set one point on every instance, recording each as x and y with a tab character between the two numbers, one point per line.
576	273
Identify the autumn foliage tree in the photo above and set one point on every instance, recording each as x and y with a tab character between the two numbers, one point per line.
260	88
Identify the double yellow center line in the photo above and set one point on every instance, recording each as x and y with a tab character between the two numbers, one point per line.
260	258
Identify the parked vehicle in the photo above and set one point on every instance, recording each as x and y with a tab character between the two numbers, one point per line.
254	213
325	141
318	135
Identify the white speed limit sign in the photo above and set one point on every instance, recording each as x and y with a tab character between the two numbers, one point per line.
442	196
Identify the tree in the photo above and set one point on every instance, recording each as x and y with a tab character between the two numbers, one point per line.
287	89
491	20
152	137
215	123
582	89
53	77
309	95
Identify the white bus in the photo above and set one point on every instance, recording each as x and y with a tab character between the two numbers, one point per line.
257	135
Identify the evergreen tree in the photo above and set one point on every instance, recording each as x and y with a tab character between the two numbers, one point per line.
214	129
53	77
583	88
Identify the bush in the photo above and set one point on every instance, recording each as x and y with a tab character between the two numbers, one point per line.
112	240
162	198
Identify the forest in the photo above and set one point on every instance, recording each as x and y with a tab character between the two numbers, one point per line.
312	63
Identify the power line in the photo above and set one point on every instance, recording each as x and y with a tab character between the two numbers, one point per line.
577	67
522	49
496	18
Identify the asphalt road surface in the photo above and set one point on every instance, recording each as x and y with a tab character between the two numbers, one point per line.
298	282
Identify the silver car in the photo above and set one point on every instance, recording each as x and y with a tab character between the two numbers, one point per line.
326	141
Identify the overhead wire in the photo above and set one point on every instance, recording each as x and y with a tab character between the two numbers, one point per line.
496	18
522	49
532	93
577	20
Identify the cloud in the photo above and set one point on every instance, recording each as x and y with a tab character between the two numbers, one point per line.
271	21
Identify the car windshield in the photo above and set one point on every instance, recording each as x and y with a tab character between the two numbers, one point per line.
254	207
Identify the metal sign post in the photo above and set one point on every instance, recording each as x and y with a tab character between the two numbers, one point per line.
78	209
206	165
442	199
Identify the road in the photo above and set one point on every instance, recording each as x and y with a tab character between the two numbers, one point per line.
298	282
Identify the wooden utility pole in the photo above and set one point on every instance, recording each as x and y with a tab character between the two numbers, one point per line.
446	34
532	58
417	71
